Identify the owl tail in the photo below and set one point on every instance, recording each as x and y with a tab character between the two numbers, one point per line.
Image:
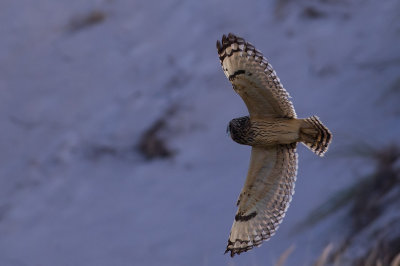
315	135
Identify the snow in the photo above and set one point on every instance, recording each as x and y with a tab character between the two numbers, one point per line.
65	94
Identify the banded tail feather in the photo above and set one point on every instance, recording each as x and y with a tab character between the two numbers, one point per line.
315	135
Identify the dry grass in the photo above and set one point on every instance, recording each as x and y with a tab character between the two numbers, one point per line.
364	196
367	201
385	252
396	260
328	257
323	258
284	256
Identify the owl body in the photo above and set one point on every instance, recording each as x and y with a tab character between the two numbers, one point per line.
266	131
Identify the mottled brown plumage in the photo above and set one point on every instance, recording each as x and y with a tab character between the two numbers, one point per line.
273	131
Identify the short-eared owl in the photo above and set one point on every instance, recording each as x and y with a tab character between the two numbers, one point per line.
273	131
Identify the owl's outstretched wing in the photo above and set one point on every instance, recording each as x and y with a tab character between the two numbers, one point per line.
265	196
253	78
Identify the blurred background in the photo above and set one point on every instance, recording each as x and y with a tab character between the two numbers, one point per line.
113	143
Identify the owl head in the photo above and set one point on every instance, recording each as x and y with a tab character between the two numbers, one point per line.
238	129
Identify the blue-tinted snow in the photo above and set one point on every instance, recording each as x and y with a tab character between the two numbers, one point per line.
64	93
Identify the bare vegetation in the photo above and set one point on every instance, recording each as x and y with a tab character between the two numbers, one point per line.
367	201
374	257
284	256
83	21
312	12
153	144
391	96
312	9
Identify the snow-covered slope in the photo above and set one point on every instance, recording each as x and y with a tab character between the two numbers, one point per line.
81	81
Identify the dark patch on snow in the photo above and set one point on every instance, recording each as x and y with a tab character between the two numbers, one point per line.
153	144
81	22
312	13
100	150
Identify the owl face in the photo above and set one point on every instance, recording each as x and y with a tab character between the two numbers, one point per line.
238	129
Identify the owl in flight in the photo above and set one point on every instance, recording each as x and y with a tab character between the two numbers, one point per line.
273	131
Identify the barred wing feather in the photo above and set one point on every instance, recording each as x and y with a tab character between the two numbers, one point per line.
253	78
265	196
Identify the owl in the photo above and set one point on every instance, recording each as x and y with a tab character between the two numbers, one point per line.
273	130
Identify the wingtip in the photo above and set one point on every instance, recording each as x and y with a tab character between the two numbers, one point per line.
224	39
219	46
231	251
231	37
